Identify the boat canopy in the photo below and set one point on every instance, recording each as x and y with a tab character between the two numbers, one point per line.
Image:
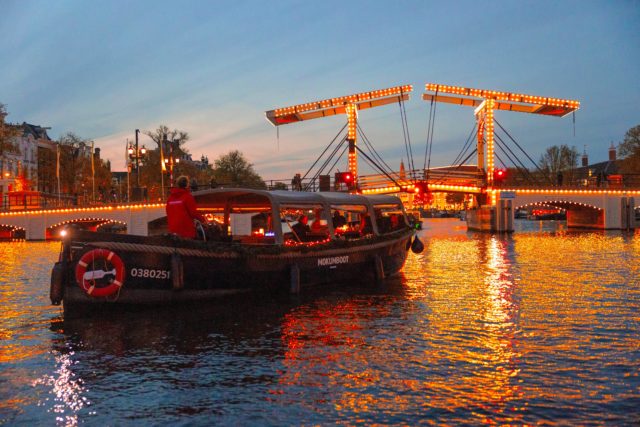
220	196
244	211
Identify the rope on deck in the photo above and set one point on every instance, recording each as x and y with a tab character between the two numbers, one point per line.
164	250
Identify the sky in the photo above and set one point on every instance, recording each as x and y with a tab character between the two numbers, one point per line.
212	69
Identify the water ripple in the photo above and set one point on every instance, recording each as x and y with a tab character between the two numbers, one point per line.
540	327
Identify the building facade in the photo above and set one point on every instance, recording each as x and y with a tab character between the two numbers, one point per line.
20	170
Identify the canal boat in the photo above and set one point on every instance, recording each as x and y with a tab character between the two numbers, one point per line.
252	240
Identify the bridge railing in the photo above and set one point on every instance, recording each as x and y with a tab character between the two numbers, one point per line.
33	200
30	200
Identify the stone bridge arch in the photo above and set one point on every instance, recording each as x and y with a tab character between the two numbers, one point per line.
36	224
583	215
11	232
584	208
87	223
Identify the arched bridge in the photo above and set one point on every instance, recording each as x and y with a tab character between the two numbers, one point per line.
586	208
604	209
44	224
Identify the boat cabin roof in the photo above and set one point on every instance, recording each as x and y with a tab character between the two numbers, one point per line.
220	196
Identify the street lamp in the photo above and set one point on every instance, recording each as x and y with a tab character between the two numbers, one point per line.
170	162
136	155
172	159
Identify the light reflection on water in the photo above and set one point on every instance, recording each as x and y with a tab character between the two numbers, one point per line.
537	327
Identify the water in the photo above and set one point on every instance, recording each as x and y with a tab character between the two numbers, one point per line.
541	327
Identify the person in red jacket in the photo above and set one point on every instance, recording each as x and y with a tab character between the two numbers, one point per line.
181	210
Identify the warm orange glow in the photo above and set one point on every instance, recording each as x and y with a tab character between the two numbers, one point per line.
342	100
351	121
488	131
432	187
75	210
348	105
503	96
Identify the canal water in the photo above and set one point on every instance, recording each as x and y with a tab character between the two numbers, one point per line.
538	327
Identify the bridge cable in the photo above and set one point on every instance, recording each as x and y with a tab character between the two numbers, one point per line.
515	160
504	151
405	134
521	149
474	151
375	165
330	157
495	153
462	152
325	150
373	151
522	168
324	165
337	159
430	132
466	145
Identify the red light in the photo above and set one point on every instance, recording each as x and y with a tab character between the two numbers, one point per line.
499	175
345	178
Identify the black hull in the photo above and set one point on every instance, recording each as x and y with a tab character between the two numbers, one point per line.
223	270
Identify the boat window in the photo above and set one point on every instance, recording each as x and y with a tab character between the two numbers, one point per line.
351	221
244	218
304	224
389	217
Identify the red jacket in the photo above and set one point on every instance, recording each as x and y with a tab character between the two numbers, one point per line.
181	211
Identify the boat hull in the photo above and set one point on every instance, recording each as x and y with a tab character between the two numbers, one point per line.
207	272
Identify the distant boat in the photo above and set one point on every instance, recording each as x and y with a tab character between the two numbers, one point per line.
249	243
548	214
521	214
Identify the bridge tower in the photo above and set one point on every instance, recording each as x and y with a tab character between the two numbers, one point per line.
349	105
486	102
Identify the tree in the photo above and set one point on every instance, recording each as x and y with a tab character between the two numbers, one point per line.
631	143
279	186
7	134
172	143
163	133
76	175
233	169
559	159
455	198
629	150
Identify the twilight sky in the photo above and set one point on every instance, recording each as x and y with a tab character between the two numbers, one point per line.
212	68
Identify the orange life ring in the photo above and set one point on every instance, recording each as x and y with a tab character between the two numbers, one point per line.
89	284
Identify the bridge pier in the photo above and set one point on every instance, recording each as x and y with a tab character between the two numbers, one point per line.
36	227
628	213
498	218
